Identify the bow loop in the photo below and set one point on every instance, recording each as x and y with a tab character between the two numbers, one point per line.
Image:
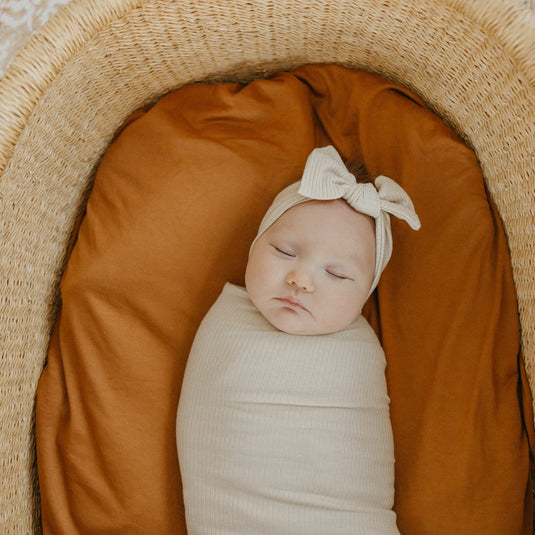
395	201
326	178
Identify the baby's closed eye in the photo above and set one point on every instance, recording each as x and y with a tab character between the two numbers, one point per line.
285	251
337	275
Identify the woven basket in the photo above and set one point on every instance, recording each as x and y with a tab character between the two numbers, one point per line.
97	60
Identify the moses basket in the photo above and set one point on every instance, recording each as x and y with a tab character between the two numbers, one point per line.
95	62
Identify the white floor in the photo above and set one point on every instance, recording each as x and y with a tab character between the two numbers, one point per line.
19	19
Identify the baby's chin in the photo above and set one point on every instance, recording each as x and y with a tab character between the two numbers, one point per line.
301	328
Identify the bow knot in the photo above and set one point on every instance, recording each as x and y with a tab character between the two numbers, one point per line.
364	198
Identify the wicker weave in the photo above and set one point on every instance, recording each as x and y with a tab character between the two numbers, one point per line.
97	60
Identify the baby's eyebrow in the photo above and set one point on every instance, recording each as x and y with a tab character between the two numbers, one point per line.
344	258
348	261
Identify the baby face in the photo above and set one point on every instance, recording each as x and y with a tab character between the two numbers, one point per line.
311	271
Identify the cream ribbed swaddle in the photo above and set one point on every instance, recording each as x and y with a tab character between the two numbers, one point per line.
284	434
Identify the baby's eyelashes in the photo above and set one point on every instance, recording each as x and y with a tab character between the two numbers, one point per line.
284	251
337	276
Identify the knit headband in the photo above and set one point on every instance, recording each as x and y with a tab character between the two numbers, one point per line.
326	178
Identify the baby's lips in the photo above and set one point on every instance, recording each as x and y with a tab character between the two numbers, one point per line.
292	302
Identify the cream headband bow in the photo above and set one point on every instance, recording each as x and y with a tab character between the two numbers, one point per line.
326	178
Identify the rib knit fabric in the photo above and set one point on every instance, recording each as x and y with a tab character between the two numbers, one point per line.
284	434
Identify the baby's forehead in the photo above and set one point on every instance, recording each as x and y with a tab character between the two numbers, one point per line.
335	215
332	227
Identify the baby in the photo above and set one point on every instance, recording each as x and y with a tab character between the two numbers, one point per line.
285	434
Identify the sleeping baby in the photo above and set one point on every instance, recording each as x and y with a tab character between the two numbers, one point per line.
283	422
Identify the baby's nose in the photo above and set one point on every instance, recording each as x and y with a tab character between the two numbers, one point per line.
300	279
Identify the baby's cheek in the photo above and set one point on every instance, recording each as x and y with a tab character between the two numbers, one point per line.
254	281
349	308
354	308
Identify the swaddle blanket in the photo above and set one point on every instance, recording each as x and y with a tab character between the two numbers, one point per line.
284	434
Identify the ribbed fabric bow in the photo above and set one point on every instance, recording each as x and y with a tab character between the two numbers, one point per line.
326	178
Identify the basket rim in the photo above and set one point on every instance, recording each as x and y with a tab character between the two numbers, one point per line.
51	141
59	39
